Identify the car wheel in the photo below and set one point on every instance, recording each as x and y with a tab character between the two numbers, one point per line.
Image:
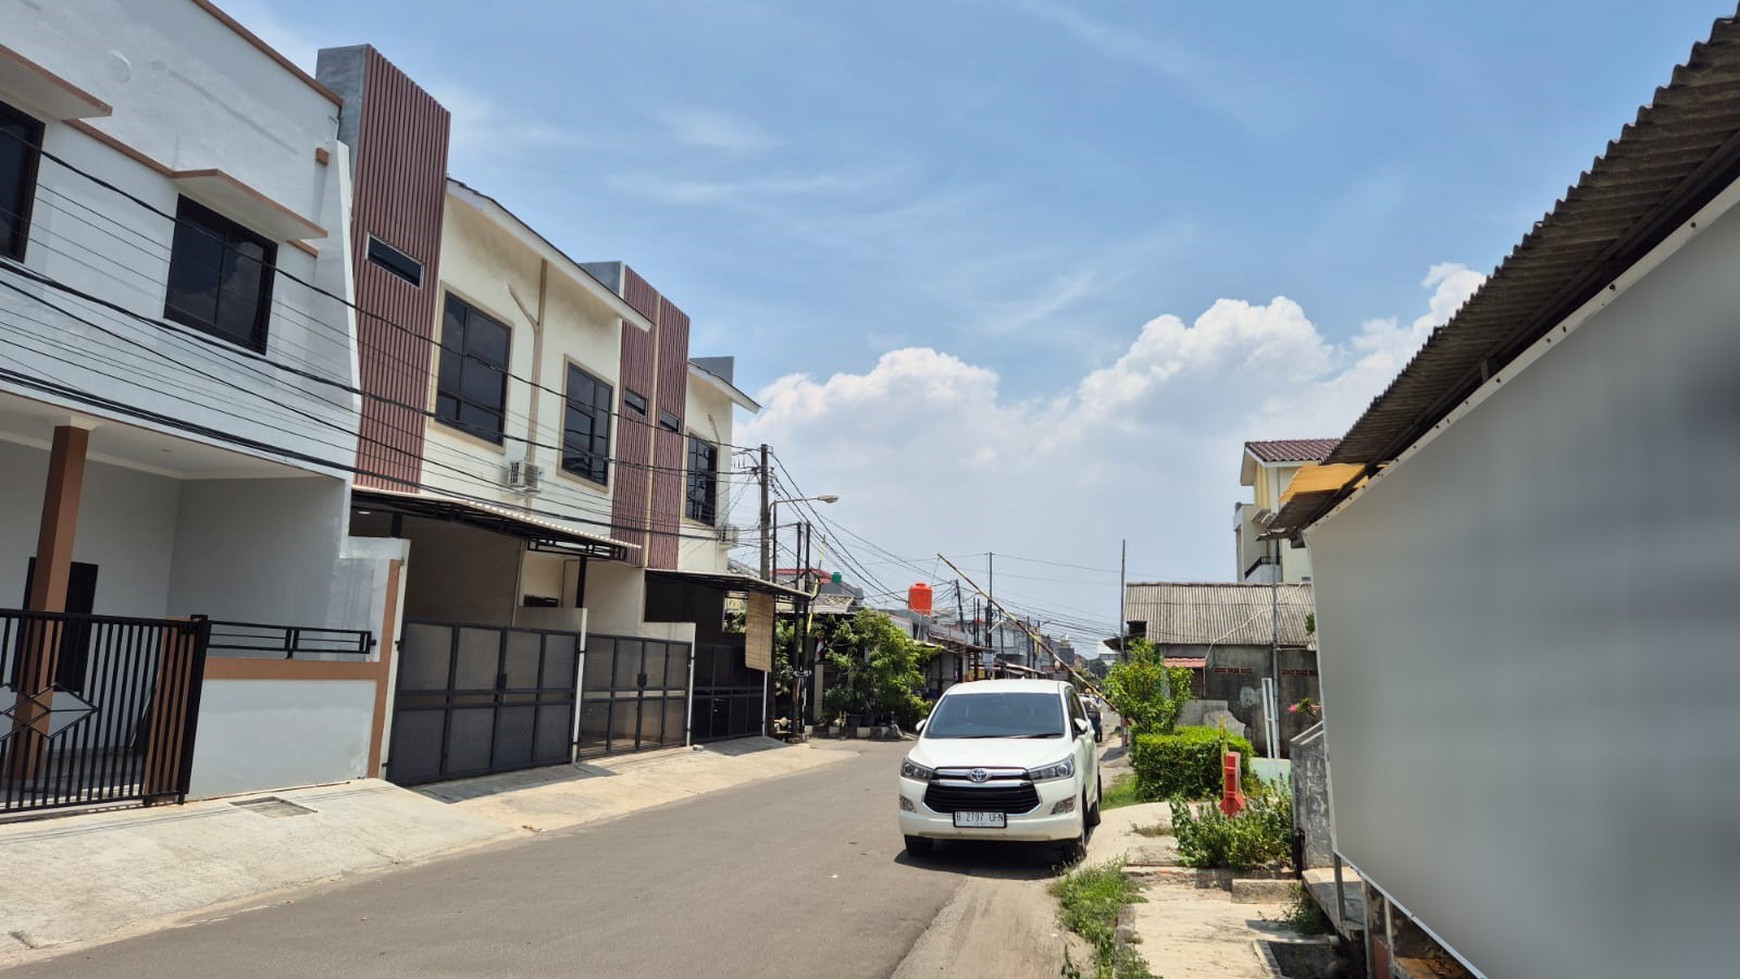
1074	851
918	846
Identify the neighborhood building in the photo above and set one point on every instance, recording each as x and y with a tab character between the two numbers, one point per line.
1524	730
1249	648
1269	468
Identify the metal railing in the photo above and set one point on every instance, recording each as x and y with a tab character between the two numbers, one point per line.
253	640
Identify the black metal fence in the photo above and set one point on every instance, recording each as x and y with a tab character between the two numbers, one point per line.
634	694
97	709
728	694
252	640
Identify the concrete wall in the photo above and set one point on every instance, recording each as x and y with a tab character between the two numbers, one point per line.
126	528
1242	690
1310	774
1533	731
258	550
460	574
266	734
189	94
708	416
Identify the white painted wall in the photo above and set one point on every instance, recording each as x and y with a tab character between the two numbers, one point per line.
708	414
269	734
190	94
1533	733
126	528
258	550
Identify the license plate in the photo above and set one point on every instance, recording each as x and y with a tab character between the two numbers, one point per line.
981	820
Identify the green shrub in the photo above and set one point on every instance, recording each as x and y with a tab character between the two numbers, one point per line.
1260	835
1185	763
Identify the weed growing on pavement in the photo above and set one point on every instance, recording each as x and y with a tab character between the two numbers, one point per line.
1090	900
1260	835
1156	829
1303	914
1122	792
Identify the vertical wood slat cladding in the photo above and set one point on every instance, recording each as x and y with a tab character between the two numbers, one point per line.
666	515
400	187
634	441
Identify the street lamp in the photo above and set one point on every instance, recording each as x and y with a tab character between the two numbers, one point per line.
771	562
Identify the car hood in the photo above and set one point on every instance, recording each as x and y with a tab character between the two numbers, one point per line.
990	752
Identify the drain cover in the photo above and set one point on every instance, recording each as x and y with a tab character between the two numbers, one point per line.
273	806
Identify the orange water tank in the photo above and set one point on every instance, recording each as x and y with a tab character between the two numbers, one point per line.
918	598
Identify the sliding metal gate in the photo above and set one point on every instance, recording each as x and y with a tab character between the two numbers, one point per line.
97	709
634	694
728	694
473	700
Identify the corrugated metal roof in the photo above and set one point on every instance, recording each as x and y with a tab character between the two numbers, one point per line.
1292	450
1219	614
1682	150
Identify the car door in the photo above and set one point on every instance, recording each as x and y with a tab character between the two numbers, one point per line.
1085	760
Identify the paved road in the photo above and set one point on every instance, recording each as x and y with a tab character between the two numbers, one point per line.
799	876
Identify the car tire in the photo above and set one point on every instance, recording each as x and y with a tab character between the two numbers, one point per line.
1074	851
919	847
1090	814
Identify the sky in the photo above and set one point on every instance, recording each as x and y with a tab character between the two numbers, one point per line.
1021	276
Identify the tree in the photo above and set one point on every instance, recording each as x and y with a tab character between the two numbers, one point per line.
1146	692
875	668
1097	668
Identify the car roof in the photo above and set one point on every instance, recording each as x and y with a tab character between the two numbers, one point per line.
1005	686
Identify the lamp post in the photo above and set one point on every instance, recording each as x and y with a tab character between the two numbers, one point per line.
771	561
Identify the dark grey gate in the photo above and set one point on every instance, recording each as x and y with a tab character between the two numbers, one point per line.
97	708
634	694
728	694
472	700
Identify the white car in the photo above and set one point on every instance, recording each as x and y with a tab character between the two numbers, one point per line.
1002	760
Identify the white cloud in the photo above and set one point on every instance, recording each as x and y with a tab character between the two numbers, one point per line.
485	135
930	453
714	130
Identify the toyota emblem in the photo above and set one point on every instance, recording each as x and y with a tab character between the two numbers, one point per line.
978	774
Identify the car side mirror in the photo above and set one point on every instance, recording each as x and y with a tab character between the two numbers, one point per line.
1082	726
920	728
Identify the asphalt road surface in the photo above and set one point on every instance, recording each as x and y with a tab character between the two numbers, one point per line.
798	876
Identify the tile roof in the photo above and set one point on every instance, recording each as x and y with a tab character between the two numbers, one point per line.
1680	152
1183	613
1292	450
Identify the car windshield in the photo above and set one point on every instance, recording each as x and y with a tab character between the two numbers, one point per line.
997	715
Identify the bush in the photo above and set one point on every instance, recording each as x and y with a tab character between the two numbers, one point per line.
1260	835
1185	763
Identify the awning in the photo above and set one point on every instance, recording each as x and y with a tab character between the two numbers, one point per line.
1188	662
543	533
727	581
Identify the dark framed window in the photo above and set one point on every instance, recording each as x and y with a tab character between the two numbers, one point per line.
395	261
20	135
586	427
634	402
471	391
670	422
220	276
703	481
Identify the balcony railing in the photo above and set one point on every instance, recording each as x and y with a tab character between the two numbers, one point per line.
252	640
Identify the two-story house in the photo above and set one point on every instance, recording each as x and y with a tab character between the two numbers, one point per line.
1268	468
178	417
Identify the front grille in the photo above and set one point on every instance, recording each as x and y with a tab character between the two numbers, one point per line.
1011	799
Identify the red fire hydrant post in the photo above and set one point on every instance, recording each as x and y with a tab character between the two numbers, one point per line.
1232	797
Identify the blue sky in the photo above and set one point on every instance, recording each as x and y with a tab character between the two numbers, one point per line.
1011	194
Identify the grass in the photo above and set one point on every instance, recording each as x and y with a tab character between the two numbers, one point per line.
1089	901
1158	829
1304	916
1122	792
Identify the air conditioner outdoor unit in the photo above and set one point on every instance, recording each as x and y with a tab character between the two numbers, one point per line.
525	476
729	534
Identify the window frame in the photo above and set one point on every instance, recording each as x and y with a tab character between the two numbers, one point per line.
393	254
691	483
636	401
593	463
15	245
456	390
191	212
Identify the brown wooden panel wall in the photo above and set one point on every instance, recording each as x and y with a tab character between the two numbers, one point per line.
400	189
634	444
668	454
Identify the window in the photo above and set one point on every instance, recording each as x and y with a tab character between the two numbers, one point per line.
20	135
471	394
703	493
586	427
670	422
220	276
395	261
636	402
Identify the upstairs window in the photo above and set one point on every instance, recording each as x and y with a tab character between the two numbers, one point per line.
703	481
20	135
586	427
471	393
670	422
220	277
395	261
634	402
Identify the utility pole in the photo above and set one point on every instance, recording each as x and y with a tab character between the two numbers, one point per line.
1123	590
1274	733
766	520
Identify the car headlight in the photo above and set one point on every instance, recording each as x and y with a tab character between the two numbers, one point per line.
1055	770
913	770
